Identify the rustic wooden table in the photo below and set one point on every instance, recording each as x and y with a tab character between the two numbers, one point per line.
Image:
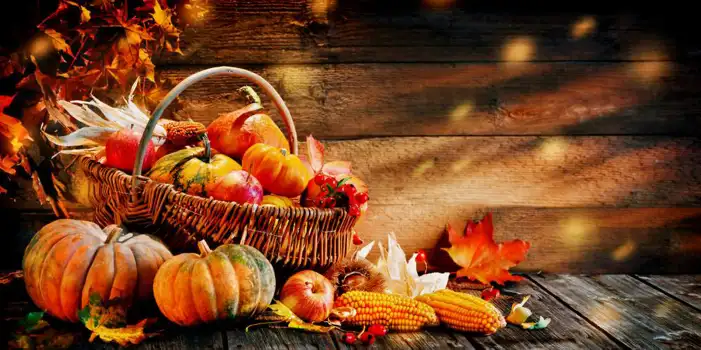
592	312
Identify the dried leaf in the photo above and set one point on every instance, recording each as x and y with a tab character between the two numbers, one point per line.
281	310
480	257
540	324
7	278
108	322
36	333
309	326
315	153
58	41
84	15
337	167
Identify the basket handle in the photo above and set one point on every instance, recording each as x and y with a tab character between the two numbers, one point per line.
173	93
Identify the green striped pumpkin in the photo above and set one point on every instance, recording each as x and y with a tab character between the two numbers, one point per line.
229	282
190	170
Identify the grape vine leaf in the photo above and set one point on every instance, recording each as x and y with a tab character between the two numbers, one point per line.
480	257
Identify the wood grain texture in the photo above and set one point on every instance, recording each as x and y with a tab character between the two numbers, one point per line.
436	338
368	100
636	314
686	288
301	31
567	330
277	338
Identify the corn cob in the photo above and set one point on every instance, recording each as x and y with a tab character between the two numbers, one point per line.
397	313
183	133
464	312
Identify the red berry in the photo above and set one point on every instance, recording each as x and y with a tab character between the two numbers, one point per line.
353	210
490	293
367	338
319	179
420	256
357	240
349	338
329	202
331	181
350	190
377	330
361	197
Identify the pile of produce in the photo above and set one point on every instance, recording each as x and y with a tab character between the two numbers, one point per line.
241	156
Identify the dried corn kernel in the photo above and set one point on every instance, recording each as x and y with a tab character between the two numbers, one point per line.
464	312
397	313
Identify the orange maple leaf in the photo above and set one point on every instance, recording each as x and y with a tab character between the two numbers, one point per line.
480	257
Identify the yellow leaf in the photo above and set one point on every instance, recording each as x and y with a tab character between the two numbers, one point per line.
281	310
132	334
84	14
58	41
309	327
148	66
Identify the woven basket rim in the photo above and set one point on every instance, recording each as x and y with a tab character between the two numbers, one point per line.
145	180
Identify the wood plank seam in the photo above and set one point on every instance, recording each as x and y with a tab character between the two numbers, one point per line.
592	323
661	290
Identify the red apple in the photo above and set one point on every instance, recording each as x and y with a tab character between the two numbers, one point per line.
121	148
309	295
237	186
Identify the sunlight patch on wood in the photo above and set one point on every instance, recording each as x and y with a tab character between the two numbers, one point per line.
578	230
624	251
462	111
553	149
519	49
583	27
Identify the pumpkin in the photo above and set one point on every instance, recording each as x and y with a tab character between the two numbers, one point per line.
190	170
277	170
228	282
68	261
277	201
234	132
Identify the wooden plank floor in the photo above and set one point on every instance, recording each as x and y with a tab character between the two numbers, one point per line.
587	312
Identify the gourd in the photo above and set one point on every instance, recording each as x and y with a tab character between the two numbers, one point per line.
277	201
190	170
278	171
228	282
68	261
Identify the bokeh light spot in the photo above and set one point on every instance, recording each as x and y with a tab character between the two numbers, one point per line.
583	27
518	50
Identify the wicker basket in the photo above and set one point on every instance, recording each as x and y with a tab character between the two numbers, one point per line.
291	238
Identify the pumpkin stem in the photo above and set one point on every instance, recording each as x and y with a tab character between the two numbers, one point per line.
207	148
249	95
204	248
113	233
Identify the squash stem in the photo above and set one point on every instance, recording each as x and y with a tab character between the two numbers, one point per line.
249	95
204	248
113	233
207	148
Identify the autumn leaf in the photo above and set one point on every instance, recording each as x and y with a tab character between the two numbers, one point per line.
284	314
148	69
315	153
108	322
480	257
34	332
6	278
11	128
84	15
58	41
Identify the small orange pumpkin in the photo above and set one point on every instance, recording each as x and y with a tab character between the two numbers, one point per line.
277	170
68	261
228	282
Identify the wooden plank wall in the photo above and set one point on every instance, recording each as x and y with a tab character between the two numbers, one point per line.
580	131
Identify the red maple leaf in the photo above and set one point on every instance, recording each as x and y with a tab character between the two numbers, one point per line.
480	257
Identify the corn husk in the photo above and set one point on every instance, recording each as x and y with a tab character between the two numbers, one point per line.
401	275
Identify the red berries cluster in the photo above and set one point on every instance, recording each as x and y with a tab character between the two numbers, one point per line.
334	193
490	293
368	336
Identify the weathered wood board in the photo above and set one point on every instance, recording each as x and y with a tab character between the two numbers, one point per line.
686	288
637	315
310	31
565	98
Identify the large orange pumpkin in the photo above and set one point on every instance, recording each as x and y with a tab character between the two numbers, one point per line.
68	261
231	281
279	171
